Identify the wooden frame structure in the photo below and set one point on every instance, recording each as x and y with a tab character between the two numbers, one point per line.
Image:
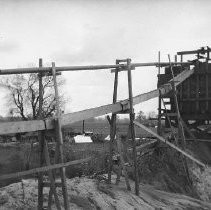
113	133
66	119
42	125
194	95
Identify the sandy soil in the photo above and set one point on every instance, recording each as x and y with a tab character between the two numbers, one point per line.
85	193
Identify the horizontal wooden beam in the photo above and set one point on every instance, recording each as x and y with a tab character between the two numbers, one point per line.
66	119
163	89
25	126
169	144
44	168
81	68
150	143
89	113
199	140
122	105
201	51
157	64
161	64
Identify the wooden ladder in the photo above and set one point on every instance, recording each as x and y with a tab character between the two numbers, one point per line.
180	123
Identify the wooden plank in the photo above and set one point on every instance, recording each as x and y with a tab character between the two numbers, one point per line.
170	144
44	168
34	125
170	114
112	108
199	140
147	144
89	113
82	68
28	126
24	126
202	51
182	76
164	89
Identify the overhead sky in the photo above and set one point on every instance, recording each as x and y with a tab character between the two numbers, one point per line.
92	32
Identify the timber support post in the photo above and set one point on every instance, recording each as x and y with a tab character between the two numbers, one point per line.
59	139
44	155
159	98
113	134
113	125
41	141
179	121
132	129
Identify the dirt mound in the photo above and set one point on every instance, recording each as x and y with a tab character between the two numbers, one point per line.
202	182
85	193
202	151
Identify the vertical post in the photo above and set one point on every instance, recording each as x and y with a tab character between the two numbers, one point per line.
180	127
41	141
179	119
207	81
122	163
132	118
197	92
175	58
83	130
113	126
59	139
159	98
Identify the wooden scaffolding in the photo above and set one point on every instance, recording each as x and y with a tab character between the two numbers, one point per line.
42	125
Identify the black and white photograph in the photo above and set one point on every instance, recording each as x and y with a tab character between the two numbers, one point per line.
105	104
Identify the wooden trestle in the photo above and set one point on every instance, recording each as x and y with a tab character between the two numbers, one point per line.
41	125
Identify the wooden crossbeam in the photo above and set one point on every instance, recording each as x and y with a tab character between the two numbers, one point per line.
66	119
145	145
199	140
44	168
170	144
83	68
202	51
25	126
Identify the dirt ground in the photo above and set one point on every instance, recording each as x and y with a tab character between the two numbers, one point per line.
161	175
86	193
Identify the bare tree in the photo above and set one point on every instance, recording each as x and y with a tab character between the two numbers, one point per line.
23	98
141	117
152	115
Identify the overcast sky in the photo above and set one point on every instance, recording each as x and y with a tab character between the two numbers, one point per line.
98	32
